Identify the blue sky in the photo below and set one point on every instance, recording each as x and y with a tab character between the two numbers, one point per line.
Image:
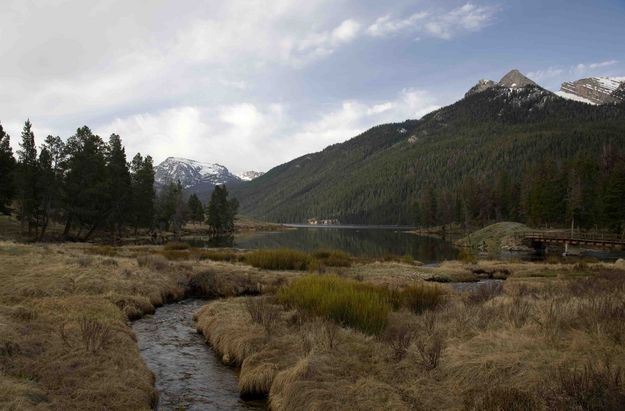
251	84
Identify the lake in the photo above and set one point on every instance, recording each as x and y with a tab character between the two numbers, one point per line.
366	241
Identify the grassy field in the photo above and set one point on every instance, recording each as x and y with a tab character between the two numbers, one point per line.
368	335
552	337
65	342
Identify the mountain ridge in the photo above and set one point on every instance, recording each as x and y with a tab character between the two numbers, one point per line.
381	175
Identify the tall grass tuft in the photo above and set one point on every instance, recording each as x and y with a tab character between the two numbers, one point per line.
333	258
421	297
176	245
361	306
280	259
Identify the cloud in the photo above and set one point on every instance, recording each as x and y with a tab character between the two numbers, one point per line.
549	73
385	25
245	136
584	68
553	76
438	24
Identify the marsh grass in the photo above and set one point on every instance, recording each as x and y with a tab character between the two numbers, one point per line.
176	245
354	304
280	259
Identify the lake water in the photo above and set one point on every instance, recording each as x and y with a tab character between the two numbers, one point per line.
366	241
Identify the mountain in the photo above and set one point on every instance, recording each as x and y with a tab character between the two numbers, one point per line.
513	79
389	174
194	176
250	175
595	90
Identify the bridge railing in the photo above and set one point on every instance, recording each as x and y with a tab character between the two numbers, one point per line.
564	236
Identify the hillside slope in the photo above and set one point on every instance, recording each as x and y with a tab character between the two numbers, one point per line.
380	176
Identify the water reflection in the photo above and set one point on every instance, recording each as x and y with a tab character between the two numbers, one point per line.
361	241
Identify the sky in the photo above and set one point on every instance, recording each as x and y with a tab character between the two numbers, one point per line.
251	84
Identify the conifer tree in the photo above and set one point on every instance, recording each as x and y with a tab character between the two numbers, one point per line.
7	172
118	184
196	208
85	190
221	210
46	190
143	195
27	173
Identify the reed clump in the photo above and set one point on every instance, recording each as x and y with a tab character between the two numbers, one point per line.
351	303
280	259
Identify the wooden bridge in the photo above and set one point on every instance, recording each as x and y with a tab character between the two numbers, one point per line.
540	239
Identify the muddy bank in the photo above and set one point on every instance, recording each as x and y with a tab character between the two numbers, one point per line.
189	375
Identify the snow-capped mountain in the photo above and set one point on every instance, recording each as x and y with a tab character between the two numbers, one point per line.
250	175
594	90
192	173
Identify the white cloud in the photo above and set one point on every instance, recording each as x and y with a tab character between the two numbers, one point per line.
245	136
549	73
553	76
585	68
386	25
438	24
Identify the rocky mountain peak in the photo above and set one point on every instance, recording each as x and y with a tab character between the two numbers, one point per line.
250	175
515	79
191	173
481	85
594	90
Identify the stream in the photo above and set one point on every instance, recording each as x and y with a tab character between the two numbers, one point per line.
189	374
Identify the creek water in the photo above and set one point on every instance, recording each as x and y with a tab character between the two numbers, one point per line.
189	374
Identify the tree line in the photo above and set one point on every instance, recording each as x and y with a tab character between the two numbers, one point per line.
587	191
87	185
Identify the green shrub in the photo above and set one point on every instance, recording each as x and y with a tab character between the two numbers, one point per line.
280	259
176	245
333	258
362	306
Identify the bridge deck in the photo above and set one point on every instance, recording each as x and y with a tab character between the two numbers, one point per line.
609	240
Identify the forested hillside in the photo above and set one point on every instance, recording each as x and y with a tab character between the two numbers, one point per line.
523	154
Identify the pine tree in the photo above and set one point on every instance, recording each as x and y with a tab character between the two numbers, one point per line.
196	208
171	209
221	210
85	190
143	195
118	184
27	174
58	159
46	190
7	172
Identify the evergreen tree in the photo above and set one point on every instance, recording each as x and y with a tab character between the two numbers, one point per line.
142	184
118	184
46	190
196	208
221	210
7	172
27	173
86	199
171	209
58	157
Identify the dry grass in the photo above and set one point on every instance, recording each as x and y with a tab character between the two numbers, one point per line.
492	350
65	342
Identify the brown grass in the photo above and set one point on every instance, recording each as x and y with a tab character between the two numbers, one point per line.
65	342
494	350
